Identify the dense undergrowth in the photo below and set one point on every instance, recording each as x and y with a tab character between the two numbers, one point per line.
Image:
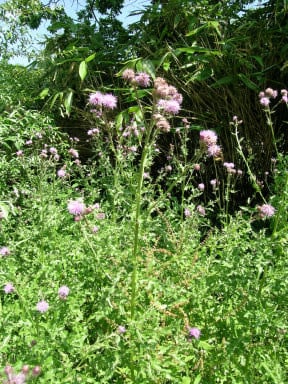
113	274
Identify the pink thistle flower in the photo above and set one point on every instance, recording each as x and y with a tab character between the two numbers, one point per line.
73	153
61	172
194	332
197	167
266	210
214	150
208	137
100	216
187	212
19	153
36	371
265	101
63	292
53	151
29	142
142	79
128	74
201	187
76	207
95	229
9	288
163	125
228	165
168	168
96	98
109	101
121	329
169	106
42	306
201	210
285	99
213	182
5	251
178	97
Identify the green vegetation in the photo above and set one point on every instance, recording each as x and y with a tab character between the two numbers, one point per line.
144	195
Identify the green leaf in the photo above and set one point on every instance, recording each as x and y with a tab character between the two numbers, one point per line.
44	93
90	58
225	80
83	70
68	102
248	82
197	379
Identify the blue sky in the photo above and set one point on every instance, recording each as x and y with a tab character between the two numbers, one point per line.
71	7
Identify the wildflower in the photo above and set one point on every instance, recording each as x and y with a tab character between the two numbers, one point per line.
269	92
142	79
194	332
201	210
95	229
163	124
213	182
19	153
63	292
36	371
208	137
100	216
43	153
109	101
4	251
285	99
9	288
121	329
146	175
187	212
61	172
214	150
266	210
29	142
53	151
201	187
25	369
42	306
76	207
96	98
169	106
265	101
128	74
229	165
73	153
168	168
197	167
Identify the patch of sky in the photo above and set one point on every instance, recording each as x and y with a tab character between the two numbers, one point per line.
130	14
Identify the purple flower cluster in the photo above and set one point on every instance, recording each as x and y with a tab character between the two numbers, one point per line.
141	79
20	378
269	93
5	251
169	99
266	211
63	292
106	100
194	332
208	141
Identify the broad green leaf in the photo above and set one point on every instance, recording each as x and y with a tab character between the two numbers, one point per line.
44	93
68	102
198	379
83	70
90	58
